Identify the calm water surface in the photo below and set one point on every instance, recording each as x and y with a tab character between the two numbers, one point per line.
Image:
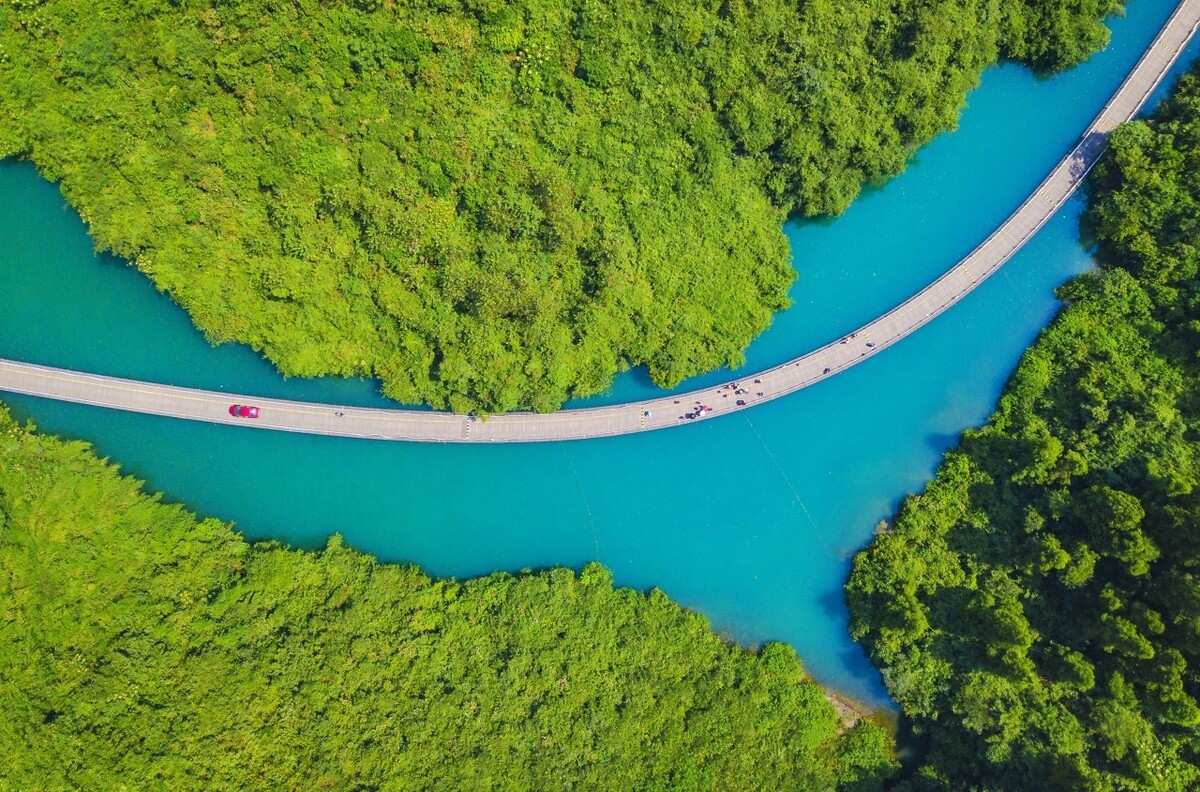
750	519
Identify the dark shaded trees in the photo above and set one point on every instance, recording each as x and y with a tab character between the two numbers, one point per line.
1035	610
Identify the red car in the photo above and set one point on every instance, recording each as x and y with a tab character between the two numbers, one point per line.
243	411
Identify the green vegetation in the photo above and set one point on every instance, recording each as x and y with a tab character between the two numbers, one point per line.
485	204
143	649
1036	611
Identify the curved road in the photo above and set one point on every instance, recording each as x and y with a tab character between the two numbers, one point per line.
668	411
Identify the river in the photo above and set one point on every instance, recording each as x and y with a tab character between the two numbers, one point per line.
751	519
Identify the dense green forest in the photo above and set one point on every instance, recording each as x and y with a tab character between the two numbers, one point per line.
143	649
489	205
1036	611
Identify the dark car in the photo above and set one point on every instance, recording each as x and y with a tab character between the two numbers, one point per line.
243	411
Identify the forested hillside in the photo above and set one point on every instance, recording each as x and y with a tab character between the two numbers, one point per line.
1036	610
143	649
486	204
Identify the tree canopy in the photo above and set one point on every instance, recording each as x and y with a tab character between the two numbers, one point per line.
1036	610
145	649
489	205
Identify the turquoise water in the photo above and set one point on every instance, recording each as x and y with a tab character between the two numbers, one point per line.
750	519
